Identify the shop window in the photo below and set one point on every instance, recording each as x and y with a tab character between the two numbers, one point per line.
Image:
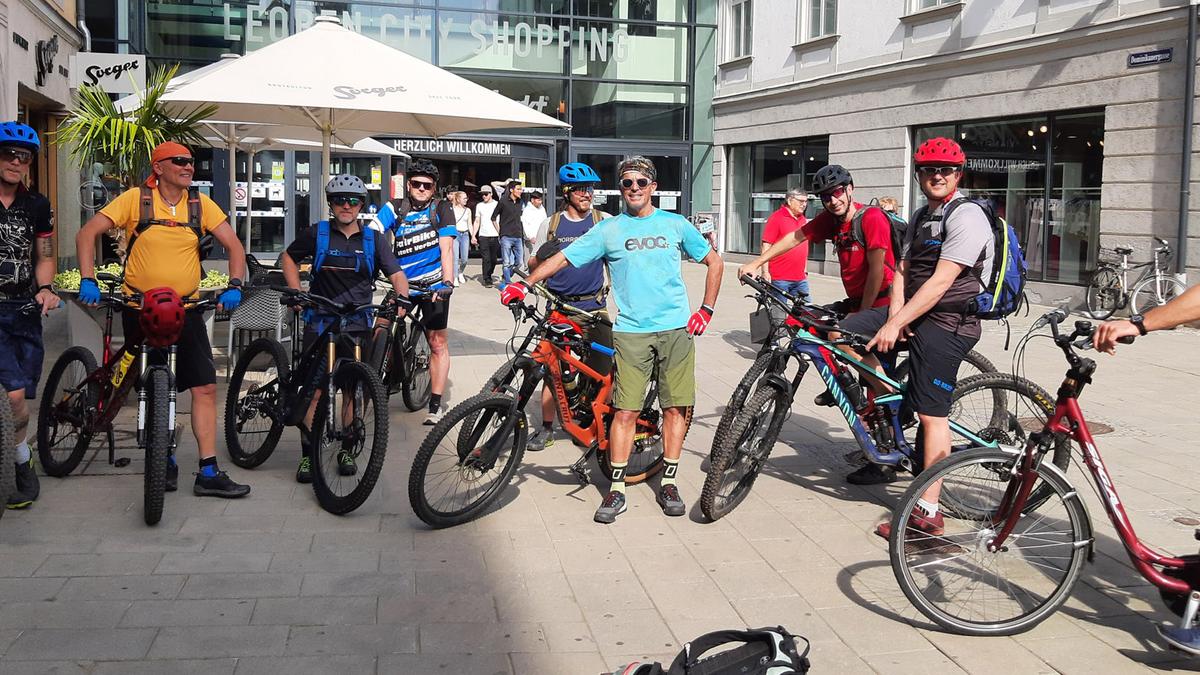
760	176
627	111
508	43
623	51
918	5
739	28
1073	228
820	20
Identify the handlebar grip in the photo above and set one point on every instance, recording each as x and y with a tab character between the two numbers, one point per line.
1127	340
607	351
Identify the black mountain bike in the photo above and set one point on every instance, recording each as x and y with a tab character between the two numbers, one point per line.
400	350
349	430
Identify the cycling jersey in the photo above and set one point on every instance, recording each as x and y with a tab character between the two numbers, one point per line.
22	223
418	236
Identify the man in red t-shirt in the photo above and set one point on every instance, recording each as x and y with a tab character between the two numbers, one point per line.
788	272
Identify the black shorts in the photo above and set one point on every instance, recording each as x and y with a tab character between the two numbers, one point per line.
194	358
23	350
435	314
934	353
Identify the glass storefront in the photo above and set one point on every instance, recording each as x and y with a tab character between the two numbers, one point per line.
1055	211
759	177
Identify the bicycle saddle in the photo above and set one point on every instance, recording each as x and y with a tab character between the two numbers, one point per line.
1123	251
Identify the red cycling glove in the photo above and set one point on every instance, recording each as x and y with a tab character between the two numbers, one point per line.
699	321
514	292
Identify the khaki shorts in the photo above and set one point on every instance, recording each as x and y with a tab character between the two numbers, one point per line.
637	353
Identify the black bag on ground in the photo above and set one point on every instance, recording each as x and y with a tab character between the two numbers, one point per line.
760	651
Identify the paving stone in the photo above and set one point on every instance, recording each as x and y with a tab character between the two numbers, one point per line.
1082	655
306	665
314	611
342	561
558	662
173	666
631	631
29	590
217	641
81	643
458	664
81	667
225	562
259	542
202	586
132	587
448	607
988	656
356	583
21	563
153	613
357	640
62	614
156	542
362	541
490	637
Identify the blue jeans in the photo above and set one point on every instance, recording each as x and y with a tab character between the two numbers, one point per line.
794	287
462	252
512	253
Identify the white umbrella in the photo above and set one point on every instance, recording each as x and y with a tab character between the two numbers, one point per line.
316	78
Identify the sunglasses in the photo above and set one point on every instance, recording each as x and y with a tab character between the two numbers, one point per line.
181	161
931	171
628	182
581	189
420	185
836	193
346	201
21	156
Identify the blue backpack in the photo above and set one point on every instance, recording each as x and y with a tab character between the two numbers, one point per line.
323	250
1004	292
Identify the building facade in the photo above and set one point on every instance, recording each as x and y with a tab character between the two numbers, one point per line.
1071	112
37	38
630	76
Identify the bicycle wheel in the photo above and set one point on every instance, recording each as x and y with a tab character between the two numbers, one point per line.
453	479
1153	293
348	450
62	436
741	392
254	403
645	459
8	468
952	577
158	444
507	379
1103	295
736	464
417	386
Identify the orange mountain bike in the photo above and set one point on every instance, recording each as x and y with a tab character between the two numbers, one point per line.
469	457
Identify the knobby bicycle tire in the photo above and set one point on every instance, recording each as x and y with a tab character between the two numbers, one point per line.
418	384
646	456
739	396
363	385
158	444
256	402
1153	293
59	397
1104	295
744	448
476	414
8	467
939	580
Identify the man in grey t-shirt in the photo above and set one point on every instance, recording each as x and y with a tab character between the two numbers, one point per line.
942	262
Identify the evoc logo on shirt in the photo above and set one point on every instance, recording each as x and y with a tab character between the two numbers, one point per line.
646	243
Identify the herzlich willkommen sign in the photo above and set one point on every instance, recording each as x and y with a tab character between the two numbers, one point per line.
114	73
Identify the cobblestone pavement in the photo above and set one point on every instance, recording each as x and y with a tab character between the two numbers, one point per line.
273	584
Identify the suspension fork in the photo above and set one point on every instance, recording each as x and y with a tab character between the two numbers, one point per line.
491	451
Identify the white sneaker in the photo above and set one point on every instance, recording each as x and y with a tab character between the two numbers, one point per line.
433	418
462	279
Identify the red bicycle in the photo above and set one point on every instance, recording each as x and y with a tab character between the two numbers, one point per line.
1004	561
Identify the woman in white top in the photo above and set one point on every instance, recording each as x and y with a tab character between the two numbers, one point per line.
462	242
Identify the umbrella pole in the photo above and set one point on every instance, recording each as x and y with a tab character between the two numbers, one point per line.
326	141
231	142
250	152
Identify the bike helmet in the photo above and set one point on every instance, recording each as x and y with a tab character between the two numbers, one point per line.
577	172
424	167
345	184
939	151
23	135
831	176
162	316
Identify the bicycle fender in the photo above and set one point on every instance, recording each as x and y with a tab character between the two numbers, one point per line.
778	382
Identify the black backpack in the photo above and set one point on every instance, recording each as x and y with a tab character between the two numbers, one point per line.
898	225
762	651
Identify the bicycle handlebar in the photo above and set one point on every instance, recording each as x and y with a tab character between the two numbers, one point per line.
550	295
847	338
294	296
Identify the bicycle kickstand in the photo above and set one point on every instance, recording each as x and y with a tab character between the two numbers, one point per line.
113	460
579	468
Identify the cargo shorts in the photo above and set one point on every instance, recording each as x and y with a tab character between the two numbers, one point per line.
672	351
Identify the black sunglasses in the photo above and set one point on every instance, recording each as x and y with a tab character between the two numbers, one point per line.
22	156
628	182
928	171
346	201
181	161
420	185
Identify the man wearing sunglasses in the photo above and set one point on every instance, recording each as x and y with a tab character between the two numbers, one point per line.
582	286
27	265
424	247
643	248
163	248
345	272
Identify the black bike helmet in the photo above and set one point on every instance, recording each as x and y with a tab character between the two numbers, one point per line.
831	176
424	167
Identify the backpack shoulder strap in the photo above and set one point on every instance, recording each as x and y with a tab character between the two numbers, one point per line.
856	227
552	230
195	212
322	247
146	208
368	236
400	208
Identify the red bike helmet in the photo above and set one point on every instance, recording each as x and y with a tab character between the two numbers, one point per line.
939	152
162	317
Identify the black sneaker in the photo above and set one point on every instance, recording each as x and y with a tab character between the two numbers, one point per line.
27	480
612	506
872	474
18	500
824	398
670	501
346	465
172	477
220	485
304	471
540	440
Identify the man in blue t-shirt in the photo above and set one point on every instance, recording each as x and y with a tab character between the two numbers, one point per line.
644	248
583	286
424	247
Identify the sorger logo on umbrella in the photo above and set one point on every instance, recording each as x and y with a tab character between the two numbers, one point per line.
347	92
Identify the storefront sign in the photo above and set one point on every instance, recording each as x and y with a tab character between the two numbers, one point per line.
46	51
427	146
1002	165
114	73
20	41
1151	58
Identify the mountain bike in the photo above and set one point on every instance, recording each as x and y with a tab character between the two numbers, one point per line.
82	399
469	457
268	391
400	350
1109	288
981	413
1008	563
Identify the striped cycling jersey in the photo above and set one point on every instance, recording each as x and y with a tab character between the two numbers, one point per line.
417	245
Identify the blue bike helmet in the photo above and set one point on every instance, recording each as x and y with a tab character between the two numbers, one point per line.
577	172
23	135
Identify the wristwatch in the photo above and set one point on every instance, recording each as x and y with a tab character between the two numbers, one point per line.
1137	320
234	283
45	287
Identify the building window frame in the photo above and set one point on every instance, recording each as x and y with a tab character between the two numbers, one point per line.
739	21
818	20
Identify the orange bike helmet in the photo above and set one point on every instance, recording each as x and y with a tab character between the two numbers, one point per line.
162	317
939	152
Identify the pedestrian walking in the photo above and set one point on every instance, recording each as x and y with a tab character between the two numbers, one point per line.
462	242
485	235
